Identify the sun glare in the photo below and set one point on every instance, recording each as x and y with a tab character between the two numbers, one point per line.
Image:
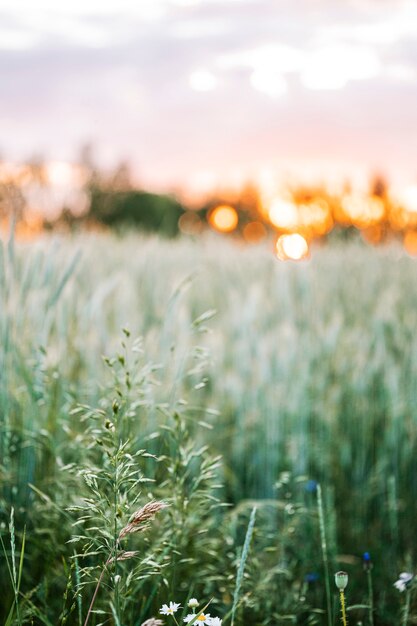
60	173
409	199
283	214
292	247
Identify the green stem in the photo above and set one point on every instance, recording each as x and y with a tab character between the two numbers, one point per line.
370	597
175	619
343	607
116	536
16	601
324	555
93	599
406	613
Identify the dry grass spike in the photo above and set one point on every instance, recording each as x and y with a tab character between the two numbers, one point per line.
152	621
140	519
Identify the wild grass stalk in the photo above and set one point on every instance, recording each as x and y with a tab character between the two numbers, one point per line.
15	573
242	563
139	522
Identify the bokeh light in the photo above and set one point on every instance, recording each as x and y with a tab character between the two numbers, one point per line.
292	247
190	223
362	211
283	214
254	232
224	218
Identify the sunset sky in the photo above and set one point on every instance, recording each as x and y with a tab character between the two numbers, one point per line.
197	93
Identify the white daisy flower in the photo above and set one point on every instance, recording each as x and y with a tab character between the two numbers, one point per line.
215	621
169	610
193	603
203	618
404	581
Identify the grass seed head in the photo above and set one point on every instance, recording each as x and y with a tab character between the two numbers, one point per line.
140	520
124	556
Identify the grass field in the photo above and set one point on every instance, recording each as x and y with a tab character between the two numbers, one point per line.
230	378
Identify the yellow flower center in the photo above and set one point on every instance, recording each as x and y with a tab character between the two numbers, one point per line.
201	618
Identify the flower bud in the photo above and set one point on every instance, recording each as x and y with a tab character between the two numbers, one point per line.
193	603
341	580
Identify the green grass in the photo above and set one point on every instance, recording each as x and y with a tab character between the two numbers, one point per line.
307	368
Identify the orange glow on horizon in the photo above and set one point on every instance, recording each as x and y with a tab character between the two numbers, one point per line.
26	229
373	234
362	211
410	242
224	218
297	213
310	216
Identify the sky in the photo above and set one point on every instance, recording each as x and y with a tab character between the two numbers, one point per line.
199	93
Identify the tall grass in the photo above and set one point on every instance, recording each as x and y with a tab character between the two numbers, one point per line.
308	368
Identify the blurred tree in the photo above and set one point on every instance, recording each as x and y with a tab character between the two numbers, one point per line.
135	208
378	186
114	201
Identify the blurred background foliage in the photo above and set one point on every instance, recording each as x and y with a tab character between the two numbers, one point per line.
39	196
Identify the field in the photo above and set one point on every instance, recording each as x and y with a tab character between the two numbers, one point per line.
231	381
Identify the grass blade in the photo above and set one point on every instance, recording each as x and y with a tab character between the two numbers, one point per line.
241	568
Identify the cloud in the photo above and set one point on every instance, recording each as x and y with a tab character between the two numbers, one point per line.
202	80
332	67
184	86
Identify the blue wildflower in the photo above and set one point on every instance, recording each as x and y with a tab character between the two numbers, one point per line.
367	561
311	577
311	486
